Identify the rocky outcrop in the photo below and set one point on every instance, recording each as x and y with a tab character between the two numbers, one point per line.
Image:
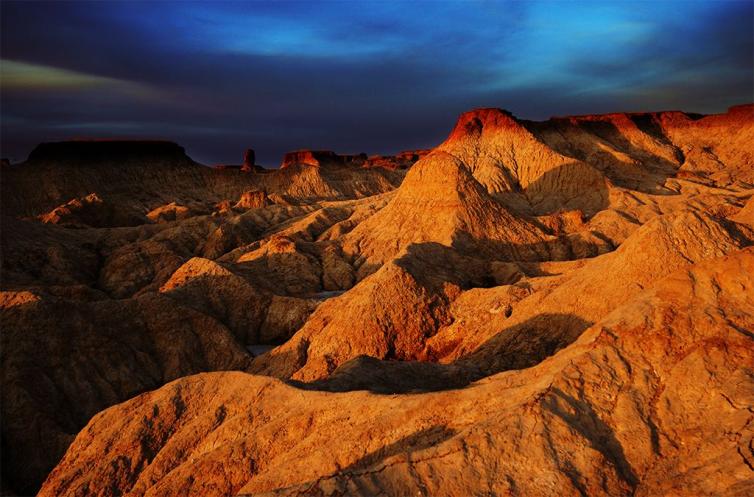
80	152
91	211
133	176
170	212
574	162
248	166
440	201
439	314
318	158
249	160
610	415
252	199
402	160
519	169
419	288
532	308
65	359
138	177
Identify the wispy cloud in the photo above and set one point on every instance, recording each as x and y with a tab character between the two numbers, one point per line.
18	76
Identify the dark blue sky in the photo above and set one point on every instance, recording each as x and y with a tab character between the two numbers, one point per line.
371	76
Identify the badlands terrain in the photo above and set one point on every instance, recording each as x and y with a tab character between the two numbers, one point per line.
558	308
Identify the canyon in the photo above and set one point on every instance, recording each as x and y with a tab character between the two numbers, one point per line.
530	308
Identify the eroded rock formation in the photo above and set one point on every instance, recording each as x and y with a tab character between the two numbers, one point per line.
532	308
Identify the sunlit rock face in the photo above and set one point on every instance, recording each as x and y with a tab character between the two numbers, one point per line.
562	307
321	157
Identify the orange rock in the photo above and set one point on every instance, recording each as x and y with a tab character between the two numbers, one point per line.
532	308
616	413
252	199
169	212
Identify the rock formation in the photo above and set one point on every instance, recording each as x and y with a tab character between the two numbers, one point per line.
169	212
249	160
609	415
92	211
530	308
252	199
138	177
81	152
318	158
402	160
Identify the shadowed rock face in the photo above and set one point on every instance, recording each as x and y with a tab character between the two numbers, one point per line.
530	308
317	158
92	151
249	160
138	177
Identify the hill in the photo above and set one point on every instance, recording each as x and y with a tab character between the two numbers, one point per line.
533	308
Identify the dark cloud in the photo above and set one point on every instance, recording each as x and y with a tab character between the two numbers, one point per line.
372	77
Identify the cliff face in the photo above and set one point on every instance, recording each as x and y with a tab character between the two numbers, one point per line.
82	152
555	308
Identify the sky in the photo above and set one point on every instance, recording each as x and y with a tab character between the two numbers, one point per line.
352	76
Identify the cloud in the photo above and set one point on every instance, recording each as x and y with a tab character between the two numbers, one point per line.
355	76
26	77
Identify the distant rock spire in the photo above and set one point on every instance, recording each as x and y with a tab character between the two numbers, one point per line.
249	159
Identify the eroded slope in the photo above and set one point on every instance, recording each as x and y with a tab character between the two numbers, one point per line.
613	414
510	246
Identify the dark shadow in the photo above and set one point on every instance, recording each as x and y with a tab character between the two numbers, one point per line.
566	247
468	262
391	377
420	440
526	344
236	232
433	265
647	175
436	267
294	273
648	124
521	346
299	269
63	361
572	186
581	416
